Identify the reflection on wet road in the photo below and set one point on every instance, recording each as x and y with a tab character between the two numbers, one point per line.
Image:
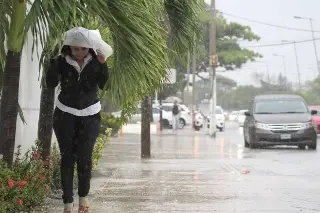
191	172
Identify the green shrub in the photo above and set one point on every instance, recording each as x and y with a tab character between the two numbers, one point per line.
99	146
25	186
112	122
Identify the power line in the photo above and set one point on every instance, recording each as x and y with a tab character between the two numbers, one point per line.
268	24
281	44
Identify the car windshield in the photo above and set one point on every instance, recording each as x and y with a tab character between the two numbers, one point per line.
218	111
242	112
280	106
167	108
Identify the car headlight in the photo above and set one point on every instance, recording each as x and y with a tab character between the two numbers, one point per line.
307	125
262	126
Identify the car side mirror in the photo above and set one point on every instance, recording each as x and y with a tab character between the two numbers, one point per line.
314	112
247	113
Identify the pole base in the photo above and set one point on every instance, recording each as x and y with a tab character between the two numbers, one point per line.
213	134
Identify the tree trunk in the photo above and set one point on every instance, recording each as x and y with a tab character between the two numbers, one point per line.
9	105
45	121
145	128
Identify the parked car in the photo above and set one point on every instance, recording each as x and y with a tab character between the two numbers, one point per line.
199	121
241	117
185	115
220	119
233	116
279	120
136	117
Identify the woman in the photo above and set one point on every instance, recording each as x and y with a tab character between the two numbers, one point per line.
76	120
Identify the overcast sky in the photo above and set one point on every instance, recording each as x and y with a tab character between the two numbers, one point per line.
279	12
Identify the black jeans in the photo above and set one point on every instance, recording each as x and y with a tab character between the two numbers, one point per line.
76	138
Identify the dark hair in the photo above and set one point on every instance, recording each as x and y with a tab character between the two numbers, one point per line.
66	50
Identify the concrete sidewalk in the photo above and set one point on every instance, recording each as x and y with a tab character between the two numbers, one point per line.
192	173
124	182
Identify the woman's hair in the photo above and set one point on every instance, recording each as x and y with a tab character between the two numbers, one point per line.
66	50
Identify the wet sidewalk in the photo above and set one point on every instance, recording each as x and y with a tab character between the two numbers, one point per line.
191	172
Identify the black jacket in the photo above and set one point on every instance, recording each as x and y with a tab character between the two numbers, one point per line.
77	91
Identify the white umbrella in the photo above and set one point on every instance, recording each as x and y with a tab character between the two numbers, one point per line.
173	99
83	37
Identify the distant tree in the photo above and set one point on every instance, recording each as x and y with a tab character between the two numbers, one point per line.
231	54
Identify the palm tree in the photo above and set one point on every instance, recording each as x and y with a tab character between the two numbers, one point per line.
138	38
180	22
16	24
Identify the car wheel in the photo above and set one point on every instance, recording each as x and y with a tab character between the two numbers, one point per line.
302	146
182	123
253	145
221	129
197	128
246	144
313	146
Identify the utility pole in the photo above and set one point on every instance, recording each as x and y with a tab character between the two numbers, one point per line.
213	64
268	73
313	39
188	70
284	69
194	69
297	60
314	45
297	63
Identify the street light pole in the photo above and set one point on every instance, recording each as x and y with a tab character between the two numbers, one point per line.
313	39
188	72
213	63
297	61
314	45
194	70
284	68
268	73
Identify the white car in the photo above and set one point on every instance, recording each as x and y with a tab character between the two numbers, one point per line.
220	120
136	118
199	120
185	114
241	117
233	115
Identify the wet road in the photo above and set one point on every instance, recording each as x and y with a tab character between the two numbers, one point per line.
191	172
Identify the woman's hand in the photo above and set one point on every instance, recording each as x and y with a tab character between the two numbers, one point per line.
101	58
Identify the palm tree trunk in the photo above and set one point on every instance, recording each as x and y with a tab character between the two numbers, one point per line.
145	128
11	77
9	105
45	121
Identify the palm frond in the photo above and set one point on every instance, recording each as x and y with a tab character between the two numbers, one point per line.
183	17
20	112
139	49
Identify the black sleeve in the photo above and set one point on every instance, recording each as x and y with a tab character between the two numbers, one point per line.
52	77
103	76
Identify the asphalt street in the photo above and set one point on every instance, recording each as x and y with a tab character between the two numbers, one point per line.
192	172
